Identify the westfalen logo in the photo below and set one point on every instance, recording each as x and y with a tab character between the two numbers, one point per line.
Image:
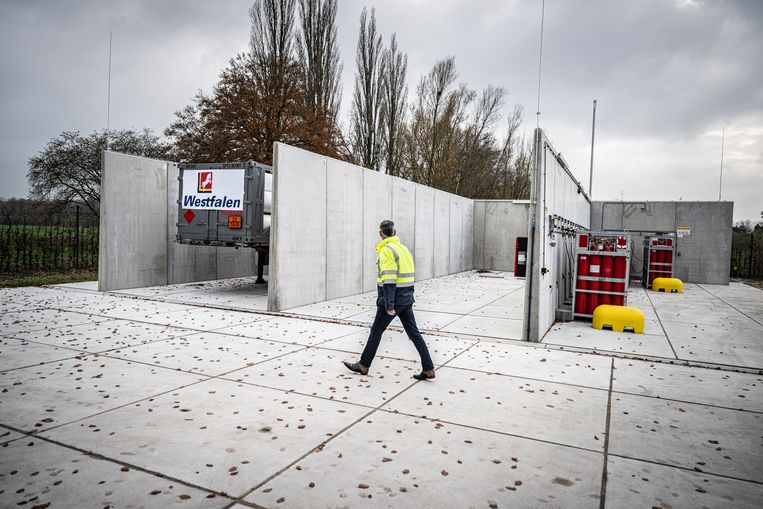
205	182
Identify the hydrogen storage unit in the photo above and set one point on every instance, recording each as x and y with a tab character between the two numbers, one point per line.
659	253
601	271
226	204
520	257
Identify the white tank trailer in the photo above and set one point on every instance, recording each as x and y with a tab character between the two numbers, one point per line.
226	204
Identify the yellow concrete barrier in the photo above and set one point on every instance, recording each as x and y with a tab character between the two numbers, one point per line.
619	318
668	285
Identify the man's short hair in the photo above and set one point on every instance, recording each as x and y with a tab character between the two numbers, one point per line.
387	227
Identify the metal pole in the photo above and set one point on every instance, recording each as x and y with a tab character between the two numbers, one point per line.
723	141
108	98
593	134
540	60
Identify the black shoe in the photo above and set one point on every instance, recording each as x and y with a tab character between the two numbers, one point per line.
425	375
356	367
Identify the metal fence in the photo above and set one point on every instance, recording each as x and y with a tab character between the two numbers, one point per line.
747	252
68	242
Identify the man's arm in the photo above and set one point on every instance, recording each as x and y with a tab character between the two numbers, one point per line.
388	267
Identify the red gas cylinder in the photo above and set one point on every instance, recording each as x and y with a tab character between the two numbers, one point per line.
652	264
581	298
594	270
669	259
607	270
660	261
620	266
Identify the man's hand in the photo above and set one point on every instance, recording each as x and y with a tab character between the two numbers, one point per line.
391	312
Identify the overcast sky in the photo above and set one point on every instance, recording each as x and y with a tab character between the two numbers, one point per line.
668	76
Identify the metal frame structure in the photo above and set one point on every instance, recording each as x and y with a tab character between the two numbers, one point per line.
662	245
625	252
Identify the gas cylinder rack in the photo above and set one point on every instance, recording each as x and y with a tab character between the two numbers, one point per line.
659	251
601	271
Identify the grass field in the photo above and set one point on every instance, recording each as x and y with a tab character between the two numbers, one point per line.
47	278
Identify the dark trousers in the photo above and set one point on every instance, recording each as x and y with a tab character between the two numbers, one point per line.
382	321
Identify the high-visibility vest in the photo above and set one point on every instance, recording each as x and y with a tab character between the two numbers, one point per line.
394	264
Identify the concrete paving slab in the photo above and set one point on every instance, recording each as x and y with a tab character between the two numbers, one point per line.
43	319
730	345
633	483
246	433
35	473
103	336
703	315
711	439
410	462
204	319
683	383
17	353
425	320
206	353
90	286
292	330
362	299
39	397
124	307
320	372
42	297
330	309
396	345
514	312
8	436
452	304
485	326
582	335
571	415
537	363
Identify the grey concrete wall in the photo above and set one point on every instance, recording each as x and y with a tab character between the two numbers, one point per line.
133	222
326	216
137	245
497	224
704	256
555	192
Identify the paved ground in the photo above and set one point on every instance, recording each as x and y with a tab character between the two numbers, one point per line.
122	401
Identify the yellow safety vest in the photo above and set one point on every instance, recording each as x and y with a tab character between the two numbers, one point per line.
394	264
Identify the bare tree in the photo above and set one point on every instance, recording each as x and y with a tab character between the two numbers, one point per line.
366	119
318	53
434	137
479	153
394	98
514	164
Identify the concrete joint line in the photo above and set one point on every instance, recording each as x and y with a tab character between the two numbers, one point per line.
101	457
603	492
687	469
661	325
730	305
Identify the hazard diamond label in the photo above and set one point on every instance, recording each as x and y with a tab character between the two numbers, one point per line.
189	215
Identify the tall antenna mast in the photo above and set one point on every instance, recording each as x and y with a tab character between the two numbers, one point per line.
593	134
723	141
108	98
540	59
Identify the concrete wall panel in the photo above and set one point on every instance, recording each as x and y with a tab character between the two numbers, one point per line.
423	255
298	229
478	236
404	211
467	240
504	221
456	224
133	222
650	216
344	249
441	233
377	206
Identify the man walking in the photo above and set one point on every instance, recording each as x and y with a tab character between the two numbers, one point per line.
395	276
